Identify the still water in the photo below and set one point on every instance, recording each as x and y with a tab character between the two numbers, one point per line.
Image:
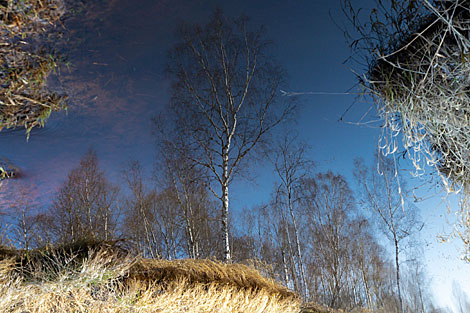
115	85
117	52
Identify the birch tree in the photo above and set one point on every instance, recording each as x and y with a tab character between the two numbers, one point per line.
384	194
21	207
85	206
188	184
225	89
328	203
139	215
291	166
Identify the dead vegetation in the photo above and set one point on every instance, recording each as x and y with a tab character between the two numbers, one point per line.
27	59
29	17
418	58
97	277
205	271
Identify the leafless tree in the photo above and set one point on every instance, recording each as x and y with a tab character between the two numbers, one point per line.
291	166
384	194
365	260
274	248
224	100
328	203
414	290
85	206
188	183
44	226
172	218
346	267
139	212
461	298
20	208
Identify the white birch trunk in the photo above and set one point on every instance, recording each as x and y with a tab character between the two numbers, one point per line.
225	229
284	265
303	283
225	201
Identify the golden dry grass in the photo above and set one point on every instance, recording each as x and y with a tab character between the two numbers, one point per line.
205	272
106	281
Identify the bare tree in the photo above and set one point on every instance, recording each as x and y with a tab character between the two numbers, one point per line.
277	246
273	245
172	218
461	298
139	213
415	286
151	218
384	195
85	206
291	166
188	183
328	204
44	229
224	100
20	209
365	260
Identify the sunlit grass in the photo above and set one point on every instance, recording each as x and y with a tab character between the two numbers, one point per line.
109	281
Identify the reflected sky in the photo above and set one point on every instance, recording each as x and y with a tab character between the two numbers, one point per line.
116	84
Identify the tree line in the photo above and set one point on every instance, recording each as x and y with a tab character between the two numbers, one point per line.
316	235
330	244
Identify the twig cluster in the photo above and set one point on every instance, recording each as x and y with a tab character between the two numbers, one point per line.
422	92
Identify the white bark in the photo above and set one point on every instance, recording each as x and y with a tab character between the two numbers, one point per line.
297	242
225	228
223	92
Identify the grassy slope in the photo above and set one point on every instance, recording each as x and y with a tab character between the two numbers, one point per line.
103	278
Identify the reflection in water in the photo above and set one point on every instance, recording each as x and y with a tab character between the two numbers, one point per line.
27	60
116	53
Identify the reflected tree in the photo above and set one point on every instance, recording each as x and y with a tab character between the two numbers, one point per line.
85	205
224	100
384	194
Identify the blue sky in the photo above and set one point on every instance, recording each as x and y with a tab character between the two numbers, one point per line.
118	82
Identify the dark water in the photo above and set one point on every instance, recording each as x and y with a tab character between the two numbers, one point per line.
117	52
115	85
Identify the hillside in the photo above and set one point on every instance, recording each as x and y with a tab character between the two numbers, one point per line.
105	278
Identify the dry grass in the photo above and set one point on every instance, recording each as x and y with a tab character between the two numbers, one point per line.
421	91
27	60
206	272
106	280
21	18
